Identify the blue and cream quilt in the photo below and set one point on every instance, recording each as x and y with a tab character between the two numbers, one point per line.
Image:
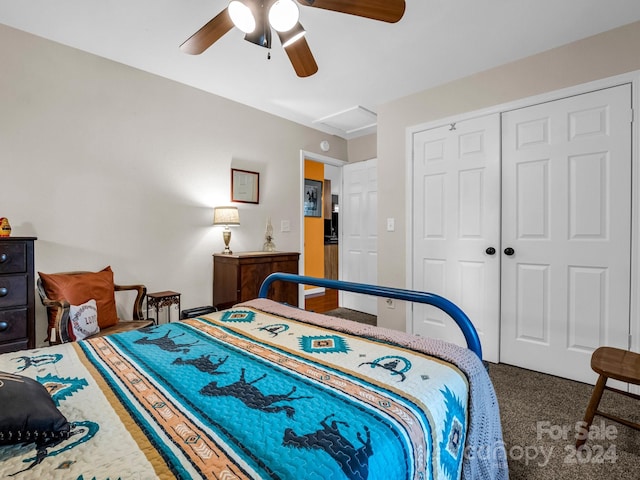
242	394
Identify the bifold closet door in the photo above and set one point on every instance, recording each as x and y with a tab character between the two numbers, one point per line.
456	227
566	231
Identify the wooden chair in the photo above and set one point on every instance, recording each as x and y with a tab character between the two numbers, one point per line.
58	311
618	364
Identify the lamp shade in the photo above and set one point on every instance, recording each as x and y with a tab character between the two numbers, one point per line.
226	216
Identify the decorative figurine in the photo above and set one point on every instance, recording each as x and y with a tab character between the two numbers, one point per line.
5	228
269	246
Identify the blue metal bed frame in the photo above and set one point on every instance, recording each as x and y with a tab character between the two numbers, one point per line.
451	309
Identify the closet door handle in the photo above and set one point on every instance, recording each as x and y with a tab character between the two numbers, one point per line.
509	251
490	251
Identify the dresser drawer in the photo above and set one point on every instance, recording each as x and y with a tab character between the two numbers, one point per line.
13	324
14	346
13	257
13	290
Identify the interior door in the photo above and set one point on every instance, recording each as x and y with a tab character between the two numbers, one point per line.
359	237
566	231
456	228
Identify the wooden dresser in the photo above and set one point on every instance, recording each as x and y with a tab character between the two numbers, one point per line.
237	277
17	294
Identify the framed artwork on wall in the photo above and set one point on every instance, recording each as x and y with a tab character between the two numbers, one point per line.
245	186
312	198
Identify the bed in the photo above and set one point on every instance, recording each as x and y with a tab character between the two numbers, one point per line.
261	390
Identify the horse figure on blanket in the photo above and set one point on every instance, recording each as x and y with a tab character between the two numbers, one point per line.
251	396
353	461
203	363
37	361
167	344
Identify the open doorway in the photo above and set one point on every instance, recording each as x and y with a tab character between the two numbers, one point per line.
321	180
349	233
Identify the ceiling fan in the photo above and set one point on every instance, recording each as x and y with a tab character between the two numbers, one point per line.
256	18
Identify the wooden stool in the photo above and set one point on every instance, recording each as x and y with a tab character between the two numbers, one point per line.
613	363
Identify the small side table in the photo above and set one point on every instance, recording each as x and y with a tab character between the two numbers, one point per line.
159	300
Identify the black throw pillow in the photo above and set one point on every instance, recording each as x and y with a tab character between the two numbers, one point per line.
28	413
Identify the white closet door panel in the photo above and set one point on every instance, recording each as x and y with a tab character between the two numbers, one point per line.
566	192
456	198
532	316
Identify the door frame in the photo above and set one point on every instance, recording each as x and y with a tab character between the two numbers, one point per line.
632	78
316	157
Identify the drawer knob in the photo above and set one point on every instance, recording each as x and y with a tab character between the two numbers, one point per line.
3	326
4	291
3	257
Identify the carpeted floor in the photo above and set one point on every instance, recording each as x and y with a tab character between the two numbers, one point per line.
540	415
352	315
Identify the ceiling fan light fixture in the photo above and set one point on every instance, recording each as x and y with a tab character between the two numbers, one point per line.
242	16
292	35
283	15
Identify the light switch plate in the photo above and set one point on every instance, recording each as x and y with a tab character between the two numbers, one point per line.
391	224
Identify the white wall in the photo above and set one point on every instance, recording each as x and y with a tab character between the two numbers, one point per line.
605	55
108	165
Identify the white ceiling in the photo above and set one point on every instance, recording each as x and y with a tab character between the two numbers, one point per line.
362	63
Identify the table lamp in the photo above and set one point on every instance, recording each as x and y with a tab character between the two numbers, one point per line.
226	216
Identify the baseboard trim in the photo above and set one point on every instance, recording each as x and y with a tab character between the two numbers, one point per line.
312	292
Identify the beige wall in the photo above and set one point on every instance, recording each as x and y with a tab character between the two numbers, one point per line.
363	148
108	165
601	56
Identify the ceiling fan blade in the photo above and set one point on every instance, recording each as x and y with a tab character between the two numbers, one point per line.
301	58
384	10
209	34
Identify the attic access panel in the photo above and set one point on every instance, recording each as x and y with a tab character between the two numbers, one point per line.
352	120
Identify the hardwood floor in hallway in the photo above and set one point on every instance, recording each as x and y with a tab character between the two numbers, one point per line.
322	303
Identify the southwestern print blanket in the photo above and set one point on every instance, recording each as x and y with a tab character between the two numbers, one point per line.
244	394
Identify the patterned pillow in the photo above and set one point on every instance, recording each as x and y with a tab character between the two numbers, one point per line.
28	413
84	319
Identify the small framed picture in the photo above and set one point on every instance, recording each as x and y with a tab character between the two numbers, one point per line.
245	186
312	198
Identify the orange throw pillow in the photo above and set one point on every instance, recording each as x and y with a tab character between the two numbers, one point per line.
79	288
